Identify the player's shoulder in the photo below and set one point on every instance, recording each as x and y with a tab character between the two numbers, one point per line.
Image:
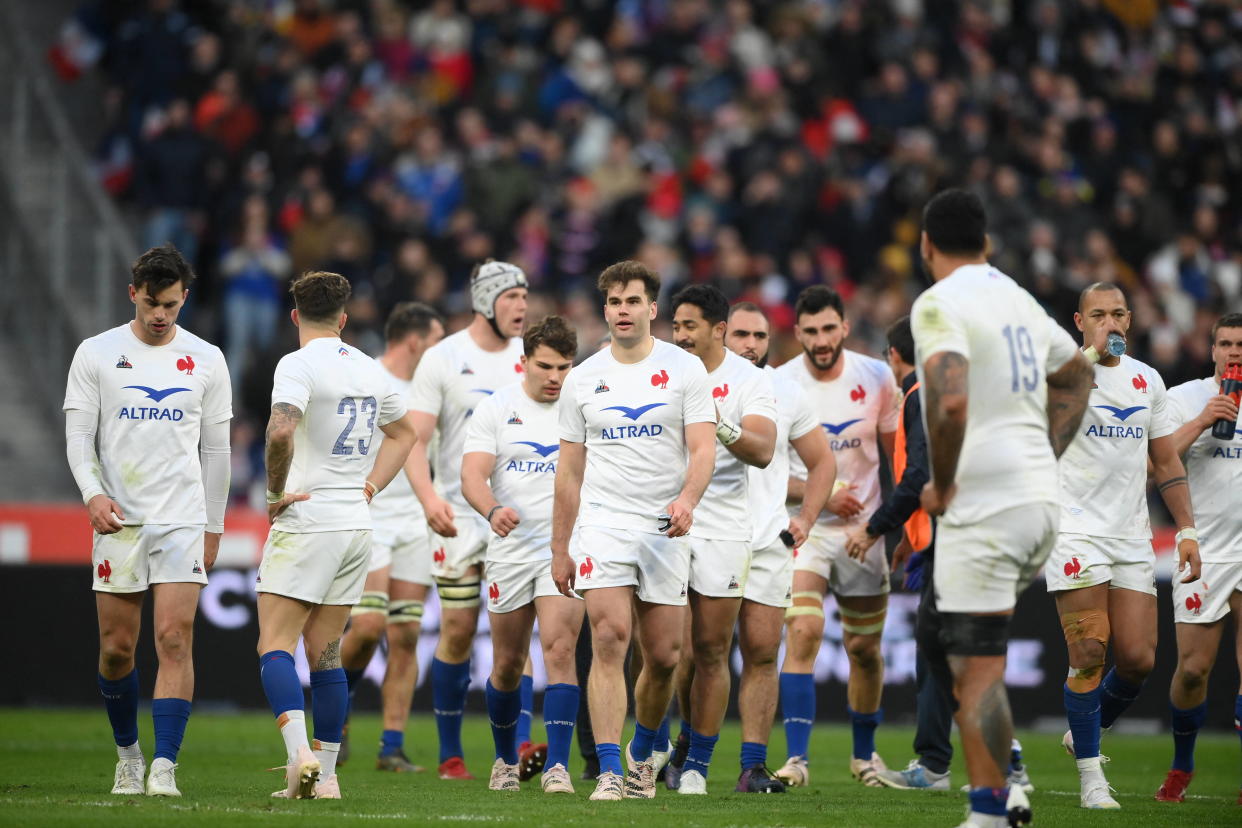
105	341
869	366
447	348
1196	389
793	370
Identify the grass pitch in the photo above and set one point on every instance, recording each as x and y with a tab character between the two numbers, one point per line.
56	769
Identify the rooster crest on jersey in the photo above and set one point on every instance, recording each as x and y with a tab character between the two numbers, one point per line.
858	394
660	380
186	364
1140	382
720	392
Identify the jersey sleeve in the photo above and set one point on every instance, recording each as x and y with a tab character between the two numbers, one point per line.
937	327
1061	346
1161	423
890	402
804	420
570	422
482	428
218	397
82	387
392	406
293	382
760	400
696	395
427	390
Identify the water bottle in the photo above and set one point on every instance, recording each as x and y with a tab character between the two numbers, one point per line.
1116	344
1230	385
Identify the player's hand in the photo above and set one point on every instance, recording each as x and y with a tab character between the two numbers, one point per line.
563	573
440	518
1100	340
902	553
934	501
1219	407
211	548
843	503
290	498
1188	559
504	520
799	529
106	514
681	517
858	541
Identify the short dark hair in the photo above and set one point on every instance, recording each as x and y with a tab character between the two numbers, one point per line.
746	306
1229	320
707	298
554	332
622	273
816	298
410	318
320	296
901	338
956	223
1101	287
160	268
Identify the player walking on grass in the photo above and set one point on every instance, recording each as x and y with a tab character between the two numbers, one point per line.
507	474
454	377
856	401
147	410
1004	391
637	449
769	584
720	540
399	573
1102	569
1214	466
327	400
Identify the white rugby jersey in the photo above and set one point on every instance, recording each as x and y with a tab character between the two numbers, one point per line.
453	377
853	409
1012	345
738	389
396	505
768	488
1214	469
344	396
1103	473
151	402
524	437
632	420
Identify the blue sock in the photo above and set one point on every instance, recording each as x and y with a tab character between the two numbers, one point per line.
391	742
448	699
753	754
685	728
644	739
352	677
990	801
864	732
504	708
1116	695
609	756
121	701
527	715
280	680
701	748
1186	725
662	740
1083	712
329	703
170	717
560	711
798	709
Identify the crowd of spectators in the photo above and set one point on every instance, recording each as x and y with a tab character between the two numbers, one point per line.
764	146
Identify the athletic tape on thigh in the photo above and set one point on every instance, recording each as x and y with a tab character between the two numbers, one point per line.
862	629
458	593
1085	625
405	612
816	609
974	635
371	602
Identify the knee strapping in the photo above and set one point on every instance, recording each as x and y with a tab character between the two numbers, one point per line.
371	602
862	623
405	612
1086	625
816	608
459	593
974	635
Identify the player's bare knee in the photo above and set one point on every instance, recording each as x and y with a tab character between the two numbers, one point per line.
507	670
610	639
558	654
710	653
864	651
173	641
116	655
1134	664
1192	673
403	637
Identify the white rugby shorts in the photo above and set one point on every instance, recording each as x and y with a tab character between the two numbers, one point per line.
405	551
983	567
1079	561
452	557
824	554
719	568
137	556
510	585
317	567
770	581
1207	599
655	564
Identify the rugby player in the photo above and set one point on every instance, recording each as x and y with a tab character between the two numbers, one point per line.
147	410
454	376
1214	467
507	475
327	400
856	401
637	450
1102	570
1004	390
769	584
400	568
720	539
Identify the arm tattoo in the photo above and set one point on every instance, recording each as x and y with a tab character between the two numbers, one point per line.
947	383
330	659
1068	390
279	453
1171	482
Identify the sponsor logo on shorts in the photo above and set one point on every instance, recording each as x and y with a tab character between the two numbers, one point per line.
683	589
105	571
186	363
586	568
733	582
196	569
1194	603
438	555
1073	568
493	592
123	362
660	380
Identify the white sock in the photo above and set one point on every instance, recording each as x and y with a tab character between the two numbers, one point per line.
131	752
326	753
1088	766
292	725
989	820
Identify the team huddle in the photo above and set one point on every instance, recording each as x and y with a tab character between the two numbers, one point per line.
660	498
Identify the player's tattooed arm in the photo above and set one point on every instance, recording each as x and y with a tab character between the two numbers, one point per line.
1068	389
946	391
330	658
278	455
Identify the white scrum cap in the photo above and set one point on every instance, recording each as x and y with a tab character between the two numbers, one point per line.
493	279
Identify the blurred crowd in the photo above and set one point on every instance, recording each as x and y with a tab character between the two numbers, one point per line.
761	145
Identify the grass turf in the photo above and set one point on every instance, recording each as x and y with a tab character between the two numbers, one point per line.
56	769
